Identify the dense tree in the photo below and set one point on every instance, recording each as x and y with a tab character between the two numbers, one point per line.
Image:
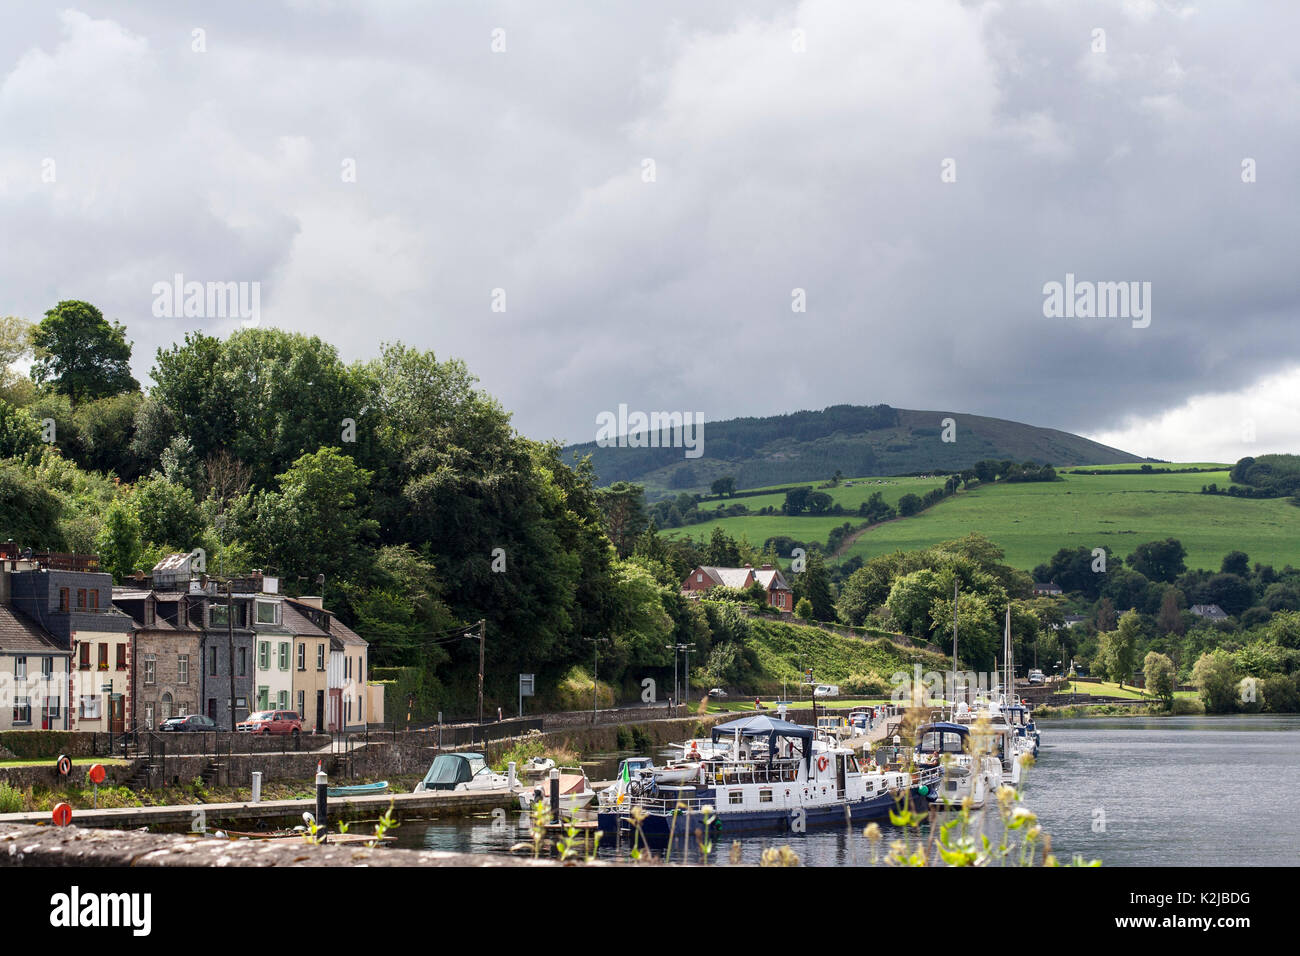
81	354
724	486
623	505
1158	671
20	433
315	523
167	513
1170	620
1159	560
1236	562
909	505
119	542
1216	680
813	583
1119	647
1230	591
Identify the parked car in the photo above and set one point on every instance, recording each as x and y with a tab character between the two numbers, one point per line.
717	692
827	690
188	723
271	722
1036	677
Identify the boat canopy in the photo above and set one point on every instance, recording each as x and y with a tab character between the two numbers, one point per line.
939	725
448	770
761	725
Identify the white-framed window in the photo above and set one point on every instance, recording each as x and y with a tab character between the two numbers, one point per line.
148	714
263	655
302	656
20	668
320	657
90	706
735	797
22	710
765	796
267	612
284	655
302	704
47	668
150	670
282	700
183	669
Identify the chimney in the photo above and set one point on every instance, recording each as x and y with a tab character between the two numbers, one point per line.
312	600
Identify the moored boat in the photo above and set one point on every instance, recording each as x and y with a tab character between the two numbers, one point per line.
776	776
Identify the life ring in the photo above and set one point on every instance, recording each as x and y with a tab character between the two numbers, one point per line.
63	765
821	762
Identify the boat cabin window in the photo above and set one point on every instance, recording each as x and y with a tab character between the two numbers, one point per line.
735	797
947	743
765	796
478	765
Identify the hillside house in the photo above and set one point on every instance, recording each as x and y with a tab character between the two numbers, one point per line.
1046	589
1211	612
779	594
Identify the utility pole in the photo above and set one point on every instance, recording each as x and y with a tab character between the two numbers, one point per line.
954	644
482	634
595	672
686	683
673	648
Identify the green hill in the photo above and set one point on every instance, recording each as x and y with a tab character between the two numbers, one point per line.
1032	520
851	439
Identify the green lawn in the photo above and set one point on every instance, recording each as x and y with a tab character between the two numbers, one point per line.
1031	521
850	493
86	762
1111	689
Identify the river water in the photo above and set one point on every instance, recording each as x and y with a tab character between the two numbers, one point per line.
1175	791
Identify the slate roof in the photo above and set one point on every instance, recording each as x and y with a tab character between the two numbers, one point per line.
297	623
19	634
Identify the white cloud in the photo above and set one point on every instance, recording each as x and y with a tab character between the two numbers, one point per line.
1262	418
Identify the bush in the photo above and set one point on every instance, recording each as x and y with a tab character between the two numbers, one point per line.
573	691
1186	707
865	685
12	800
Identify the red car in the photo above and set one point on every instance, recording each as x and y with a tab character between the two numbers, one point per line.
271	722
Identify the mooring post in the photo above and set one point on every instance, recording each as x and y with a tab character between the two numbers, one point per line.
257	786
322	800
555	795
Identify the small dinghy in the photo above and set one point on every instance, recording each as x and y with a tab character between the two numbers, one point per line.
358	789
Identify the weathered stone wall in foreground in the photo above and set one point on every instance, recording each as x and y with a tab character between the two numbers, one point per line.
74	846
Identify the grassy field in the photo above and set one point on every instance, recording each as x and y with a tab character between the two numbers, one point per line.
850	494
1032	520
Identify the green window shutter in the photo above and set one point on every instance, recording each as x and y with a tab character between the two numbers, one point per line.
284	657
264	655
263	698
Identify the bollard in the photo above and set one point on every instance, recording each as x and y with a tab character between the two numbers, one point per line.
257	786
555	795
322	800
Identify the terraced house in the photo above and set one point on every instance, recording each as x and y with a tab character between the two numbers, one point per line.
346	667
167	653
33	674
70	599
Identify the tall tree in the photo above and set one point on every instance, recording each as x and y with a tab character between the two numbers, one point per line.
1159	560
81	354
1170	619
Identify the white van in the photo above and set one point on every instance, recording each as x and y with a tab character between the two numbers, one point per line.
827	690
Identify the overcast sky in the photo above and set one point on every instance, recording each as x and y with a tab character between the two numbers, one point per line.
795	145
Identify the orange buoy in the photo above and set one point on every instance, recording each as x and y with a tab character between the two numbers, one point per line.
97	773
62	815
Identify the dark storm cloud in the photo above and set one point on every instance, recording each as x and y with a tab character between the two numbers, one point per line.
775	169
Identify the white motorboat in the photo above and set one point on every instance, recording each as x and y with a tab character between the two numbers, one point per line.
575	791
466	772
